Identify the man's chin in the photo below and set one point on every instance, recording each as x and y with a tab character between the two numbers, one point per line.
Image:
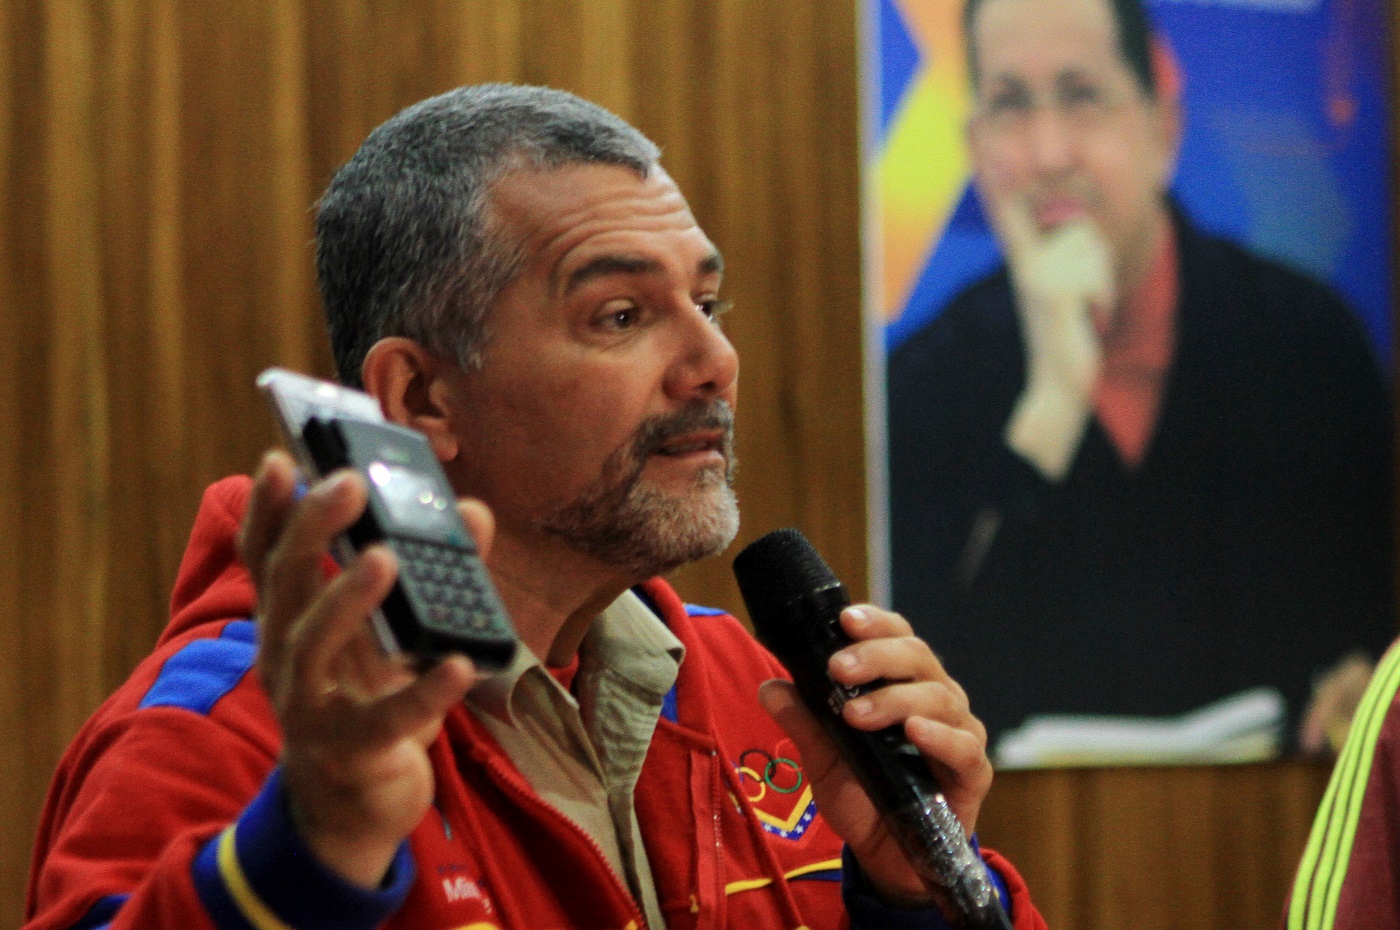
685	528
653	530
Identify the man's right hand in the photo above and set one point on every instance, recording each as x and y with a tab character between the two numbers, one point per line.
356	724
1063	282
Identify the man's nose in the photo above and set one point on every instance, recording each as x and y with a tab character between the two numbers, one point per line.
1052	140
706	365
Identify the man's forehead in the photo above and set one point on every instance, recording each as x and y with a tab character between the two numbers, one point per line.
1014	36
606	216
536	199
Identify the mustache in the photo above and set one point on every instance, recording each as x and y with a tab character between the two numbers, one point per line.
701	416
1076	188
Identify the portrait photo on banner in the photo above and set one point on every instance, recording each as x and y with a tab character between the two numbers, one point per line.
1130	269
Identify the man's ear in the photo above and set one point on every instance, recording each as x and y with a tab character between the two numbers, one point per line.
1169	131
410	384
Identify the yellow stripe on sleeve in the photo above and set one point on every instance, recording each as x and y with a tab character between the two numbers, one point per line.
257	913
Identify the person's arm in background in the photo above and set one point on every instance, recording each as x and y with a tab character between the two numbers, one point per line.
945	389
1346	878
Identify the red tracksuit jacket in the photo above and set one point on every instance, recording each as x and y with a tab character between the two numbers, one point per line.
167	809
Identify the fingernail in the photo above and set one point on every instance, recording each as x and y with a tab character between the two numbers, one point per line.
860	706
336	482
857	616
845	661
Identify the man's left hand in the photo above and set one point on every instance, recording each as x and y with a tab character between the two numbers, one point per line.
933	710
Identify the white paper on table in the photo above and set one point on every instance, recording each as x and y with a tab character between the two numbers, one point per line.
1245	727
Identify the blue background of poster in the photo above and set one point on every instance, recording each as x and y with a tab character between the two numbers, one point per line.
1286	145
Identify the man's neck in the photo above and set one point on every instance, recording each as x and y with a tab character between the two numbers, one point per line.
1135	276
552	592
1137	352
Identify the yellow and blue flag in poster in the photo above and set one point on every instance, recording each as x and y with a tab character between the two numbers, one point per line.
1291	160
920	168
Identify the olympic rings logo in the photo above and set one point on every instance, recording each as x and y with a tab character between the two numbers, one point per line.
780	773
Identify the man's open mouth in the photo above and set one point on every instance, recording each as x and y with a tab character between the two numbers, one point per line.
692	443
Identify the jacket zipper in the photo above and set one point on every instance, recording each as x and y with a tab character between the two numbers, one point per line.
511	780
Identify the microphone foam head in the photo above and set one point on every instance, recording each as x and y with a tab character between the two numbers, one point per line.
777	569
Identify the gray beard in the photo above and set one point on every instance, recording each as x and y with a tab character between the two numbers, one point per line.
623	522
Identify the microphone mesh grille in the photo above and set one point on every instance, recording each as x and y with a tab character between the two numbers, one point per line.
776	569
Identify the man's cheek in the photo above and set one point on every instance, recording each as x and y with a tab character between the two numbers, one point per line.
995	177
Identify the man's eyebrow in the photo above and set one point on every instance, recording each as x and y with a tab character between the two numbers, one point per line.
606	265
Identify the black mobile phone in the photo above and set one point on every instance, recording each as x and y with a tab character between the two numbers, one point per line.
443	600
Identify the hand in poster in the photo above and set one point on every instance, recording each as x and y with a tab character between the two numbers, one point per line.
1064	282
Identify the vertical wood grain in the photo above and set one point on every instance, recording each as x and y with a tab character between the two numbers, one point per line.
30	753
159	162
78	426
290	266
164	455
15	796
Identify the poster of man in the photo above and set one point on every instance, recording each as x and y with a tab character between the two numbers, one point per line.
1139	434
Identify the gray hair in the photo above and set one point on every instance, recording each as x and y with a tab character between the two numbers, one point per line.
406	243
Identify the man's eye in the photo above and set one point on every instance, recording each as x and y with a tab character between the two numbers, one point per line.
1012	101
1080	96
620	318
716	308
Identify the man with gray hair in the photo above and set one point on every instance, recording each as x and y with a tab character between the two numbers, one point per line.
512	273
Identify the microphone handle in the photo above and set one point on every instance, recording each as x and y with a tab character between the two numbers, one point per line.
889	767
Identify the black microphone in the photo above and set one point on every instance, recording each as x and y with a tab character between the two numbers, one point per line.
795	603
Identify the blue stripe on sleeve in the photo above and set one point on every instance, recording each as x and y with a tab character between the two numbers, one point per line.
101	913
695	610
276	872
998	883
201	673
868	912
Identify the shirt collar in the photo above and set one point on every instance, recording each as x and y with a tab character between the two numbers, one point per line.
626	639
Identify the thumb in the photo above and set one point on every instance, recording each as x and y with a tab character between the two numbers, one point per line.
780	699
1019	233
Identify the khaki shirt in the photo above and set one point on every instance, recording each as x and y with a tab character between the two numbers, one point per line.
583	755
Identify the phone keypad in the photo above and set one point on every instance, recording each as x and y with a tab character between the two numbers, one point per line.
449	583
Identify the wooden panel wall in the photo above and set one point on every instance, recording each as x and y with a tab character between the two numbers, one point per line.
1205	848
158	163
